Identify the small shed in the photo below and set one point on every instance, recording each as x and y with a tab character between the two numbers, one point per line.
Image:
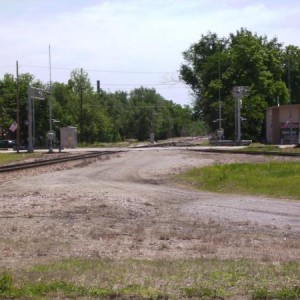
282	124
68	137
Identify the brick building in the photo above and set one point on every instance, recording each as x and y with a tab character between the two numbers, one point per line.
282	124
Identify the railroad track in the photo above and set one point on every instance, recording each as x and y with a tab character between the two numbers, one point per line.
52	161
237	151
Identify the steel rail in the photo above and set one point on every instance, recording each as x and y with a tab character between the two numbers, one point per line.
52	161
237	151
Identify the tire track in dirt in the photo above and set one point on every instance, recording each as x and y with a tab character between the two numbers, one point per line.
126	206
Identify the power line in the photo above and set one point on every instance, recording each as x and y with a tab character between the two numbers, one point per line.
103	71
158	85
7	66
116	85
128	106
131	84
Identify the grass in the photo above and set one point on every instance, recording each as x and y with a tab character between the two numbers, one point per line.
16	157
153	279
257	147
120	144
275	179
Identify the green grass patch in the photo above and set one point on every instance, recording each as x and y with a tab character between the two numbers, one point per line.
291	293
6	158
257	147
153	279
275	179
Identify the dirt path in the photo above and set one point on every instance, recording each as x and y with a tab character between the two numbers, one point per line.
126	206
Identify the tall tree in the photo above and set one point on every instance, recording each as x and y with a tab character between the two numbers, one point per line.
291	74
214	66
80	84
99	116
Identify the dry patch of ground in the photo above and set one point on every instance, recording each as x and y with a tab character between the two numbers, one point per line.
126	206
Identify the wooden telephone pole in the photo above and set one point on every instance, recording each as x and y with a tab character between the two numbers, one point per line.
18	108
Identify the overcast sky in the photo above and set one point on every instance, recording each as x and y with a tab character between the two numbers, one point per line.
129	43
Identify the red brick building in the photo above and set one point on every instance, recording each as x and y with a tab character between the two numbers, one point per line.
282	124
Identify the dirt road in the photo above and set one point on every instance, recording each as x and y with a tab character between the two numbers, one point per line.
127	206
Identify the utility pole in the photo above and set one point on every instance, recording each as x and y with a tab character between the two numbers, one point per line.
29	120
290	102
220	131
18	108
220	106
81	110
50	133
239	92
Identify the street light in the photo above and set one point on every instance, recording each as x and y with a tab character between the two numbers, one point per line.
239	92
220	104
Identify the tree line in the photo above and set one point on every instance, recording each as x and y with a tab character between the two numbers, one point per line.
214	65
98	116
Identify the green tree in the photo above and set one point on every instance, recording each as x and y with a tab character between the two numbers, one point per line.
80	85
7	104
99	116
291	73
116	106
214	66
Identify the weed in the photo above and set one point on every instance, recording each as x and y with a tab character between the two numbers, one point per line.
154	279
283	293
257	179
5	283
200	292
15	157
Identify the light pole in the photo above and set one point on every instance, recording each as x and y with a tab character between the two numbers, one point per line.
220	106
239	92
290	102
18	107
220	130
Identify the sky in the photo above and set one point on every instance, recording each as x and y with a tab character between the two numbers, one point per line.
127	44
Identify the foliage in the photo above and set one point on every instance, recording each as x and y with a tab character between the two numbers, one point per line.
202	278
213	66
291	66
5	283
257	179
98	116
15	157
257	147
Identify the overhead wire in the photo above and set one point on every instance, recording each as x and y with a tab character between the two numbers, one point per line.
103	71
7	66
114	86
158	85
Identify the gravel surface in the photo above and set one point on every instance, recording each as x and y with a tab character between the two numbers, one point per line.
128	206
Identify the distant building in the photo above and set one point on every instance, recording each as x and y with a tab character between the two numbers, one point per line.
282	124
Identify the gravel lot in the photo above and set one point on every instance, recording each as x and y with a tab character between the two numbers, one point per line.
127	206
